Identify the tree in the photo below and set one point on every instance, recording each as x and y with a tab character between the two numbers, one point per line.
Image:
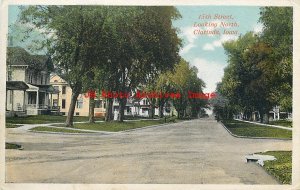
278	34
132	45
184	79
259	74
71	44
144	43
163	85
247	79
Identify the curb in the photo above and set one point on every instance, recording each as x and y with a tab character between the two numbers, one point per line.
99	132
64	133
248	137
267	125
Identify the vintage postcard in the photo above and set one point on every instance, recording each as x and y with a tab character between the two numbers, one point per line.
144	95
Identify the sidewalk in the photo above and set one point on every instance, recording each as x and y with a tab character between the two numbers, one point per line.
275	126
27	127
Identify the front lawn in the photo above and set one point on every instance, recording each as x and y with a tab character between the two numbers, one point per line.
283	123
53	129
252	130
281	168
12	146
41	119
9	125
115	126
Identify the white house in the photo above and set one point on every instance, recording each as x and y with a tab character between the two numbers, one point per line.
27	83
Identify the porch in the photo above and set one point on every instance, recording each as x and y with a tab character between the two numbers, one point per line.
39	99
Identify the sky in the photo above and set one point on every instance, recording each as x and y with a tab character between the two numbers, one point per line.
200	50
206	51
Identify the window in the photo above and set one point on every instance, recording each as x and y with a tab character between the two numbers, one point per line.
56	88
64	90
104	105
55	80
77	113
55	102
145	102
79	103
63	103
98	103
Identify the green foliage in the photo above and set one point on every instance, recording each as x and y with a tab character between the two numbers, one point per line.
117	46
183	80
253	130
12	146
281	168
283	123
259	74
41	119
57	130
9	125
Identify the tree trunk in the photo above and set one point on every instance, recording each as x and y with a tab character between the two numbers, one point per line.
109	111
261	116
151	110
161	111
122	105
69	120
91	110
266	118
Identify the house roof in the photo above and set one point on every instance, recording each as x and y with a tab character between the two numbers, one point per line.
17	56
47	87
16	85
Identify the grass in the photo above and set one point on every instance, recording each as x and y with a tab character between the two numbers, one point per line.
252	130
115	126
283	123
9	125
281	168
12	146
61	130
41	119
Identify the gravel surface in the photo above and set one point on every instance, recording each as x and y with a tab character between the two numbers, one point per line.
190	152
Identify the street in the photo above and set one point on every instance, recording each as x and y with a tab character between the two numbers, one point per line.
192	152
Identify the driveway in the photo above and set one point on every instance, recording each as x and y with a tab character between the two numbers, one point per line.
191	152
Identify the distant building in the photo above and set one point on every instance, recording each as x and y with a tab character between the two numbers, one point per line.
27	83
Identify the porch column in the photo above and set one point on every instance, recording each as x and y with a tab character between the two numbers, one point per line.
6	100
46	100
51	100
58	102
12	100
37	99
24	100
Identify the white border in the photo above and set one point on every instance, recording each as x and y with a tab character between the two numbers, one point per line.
296	94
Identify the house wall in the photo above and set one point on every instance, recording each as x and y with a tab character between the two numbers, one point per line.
40	78
59	83
18	100
18	73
